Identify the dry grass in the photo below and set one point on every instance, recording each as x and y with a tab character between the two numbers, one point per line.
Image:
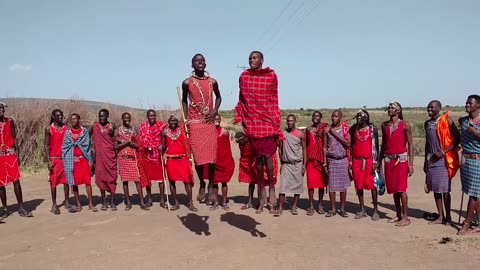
31	116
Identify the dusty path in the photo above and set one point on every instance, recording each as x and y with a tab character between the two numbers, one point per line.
233	240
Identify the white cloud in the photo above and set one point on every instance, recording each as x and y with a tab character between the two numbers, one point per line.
20	68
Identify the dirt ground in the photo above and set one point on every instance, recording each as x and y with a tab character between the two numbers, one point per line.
229	240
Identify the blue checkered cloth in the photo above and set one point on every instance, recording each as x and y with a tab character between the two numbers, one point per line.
69	144
470	168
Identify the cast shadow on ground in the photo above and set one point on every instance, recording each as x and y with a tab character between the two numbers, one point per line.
196	224
243	222
28	205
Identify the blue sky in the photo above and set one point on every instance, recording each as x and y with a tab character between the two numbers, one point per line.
327	54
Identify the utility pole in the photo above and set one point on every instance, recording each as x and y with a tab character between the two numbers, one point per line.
242	67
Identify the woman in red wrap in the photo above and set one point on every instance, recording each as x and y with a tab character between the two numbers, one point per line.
54	134
396	137
198	107
105	158
177	162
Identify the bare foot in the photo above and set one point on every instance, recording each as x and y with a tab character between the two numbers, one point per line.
393	220
403	222
475	230
463	230
259	210
437	221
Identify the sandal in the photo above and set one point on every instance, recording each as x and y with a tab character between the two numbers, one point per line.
75	209
320	210
56	211
163	205
330	214
5	212
92	208
310	211
259	210
104	207
201	195
278	213
343	214
214	207
129	207
113	207
175	207
192	208
271	208
375	216
246	206
226	207
294	211
360	215
24	213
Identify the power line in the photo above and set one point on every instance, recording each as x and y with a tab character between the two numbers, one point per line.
274	21
283	27
295	23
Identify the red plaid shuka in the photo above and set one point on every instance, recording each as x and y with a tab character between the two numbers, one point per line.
257	106
151	137
346	129
139	158
315	144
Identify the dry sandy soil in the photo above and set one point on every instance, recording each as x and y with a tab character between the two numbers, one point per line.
233	240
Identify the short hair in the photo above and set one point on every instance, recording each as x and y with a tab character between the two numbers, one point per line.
195	56
151	110
75	114
172	117
105	111
259	52
339	111
53	114
319	113
292	115
476	97
436	102
125	114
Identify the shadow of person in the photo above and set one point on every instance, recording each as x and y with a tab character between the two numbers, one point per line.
28	205
195	223
243	222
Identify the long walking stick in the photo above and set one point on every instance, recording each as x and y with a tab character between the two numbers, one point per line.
165	177
187	147
461	207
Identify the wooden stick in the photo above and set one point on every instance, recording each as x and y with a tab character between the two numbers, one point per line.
180	102
165	179
461	207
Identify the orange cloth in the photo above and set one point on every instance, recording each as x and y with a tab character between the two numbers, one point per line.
452	158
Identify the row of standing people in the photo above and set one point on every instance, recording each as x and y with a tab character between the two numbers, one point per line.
259	114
